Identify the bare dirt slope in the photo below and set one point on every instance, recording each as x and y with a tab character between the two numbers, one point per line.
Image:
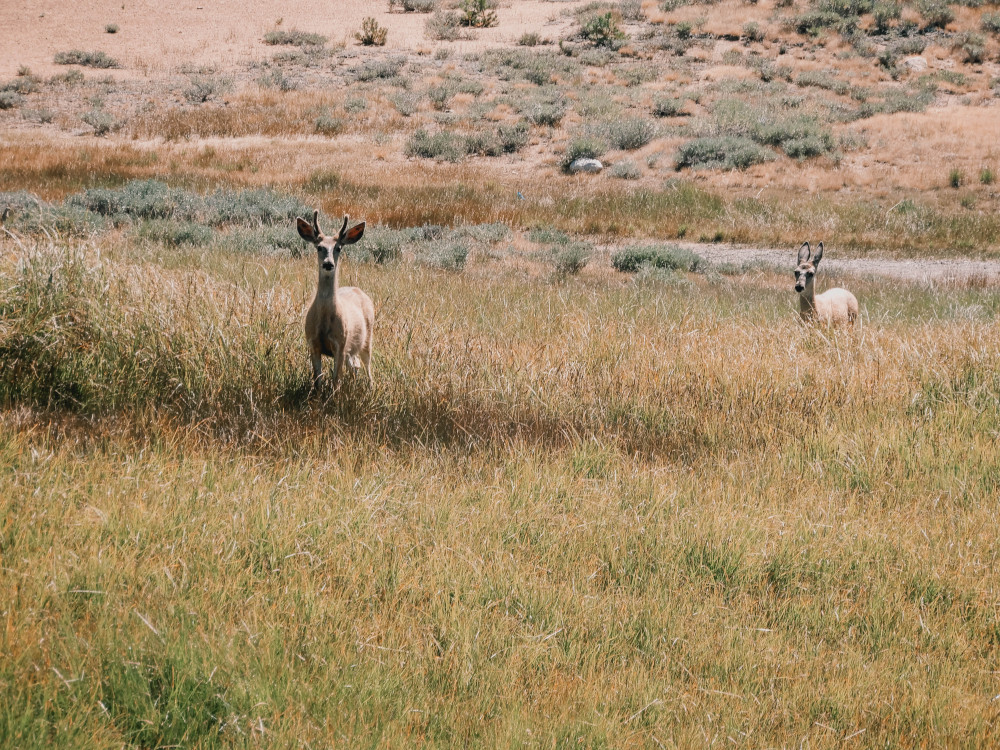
158	37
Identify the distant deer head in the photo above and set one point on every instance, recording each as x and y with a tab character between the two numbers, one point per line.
808	265
329	246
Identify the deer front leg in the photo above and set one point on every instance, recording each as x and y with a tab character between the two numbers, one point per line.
317	363
338	365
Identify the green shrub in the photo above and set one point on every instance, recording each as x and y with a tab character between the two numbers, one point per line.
683	30
629	133
956	178
102	122
87	59
725	152
582	147
602	29
10	100
111	28
883	13
384	245
668	106
823	81
174	233
294	38
986	176
972	46
548	236
752	32
449	255
936	13
372	34
413	6
371	70
478	14
442	145
626	170
530	39
275	78
328	125
445	26
666	257
990	23
571	258
549	113
513	137
203	88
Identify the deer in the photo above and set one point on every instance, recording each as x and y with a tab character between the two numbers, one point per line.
832	307
340	320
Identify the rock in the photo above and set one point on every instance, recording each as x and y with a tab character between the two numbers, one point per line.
916	63
585	165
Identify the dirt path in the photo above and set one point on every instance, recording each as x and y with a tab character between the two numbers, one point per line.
916	270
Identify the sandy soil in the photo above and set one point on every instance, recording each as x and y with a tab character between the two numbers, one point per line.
155	38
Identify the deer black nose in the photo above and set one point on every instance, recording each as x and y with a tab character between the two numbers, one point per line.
799	287
327	266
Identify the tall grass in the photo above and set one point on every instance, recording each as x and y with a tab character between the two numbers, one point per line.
601	512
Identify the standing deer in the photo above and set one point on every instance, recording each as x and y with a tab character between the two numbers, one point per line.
834	306
340	321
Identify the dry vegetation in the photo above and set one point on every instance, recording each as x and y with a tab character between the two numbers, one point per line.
596	497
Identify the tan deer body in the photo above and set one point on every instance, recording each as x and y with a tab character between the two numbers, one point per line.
340	321
832	307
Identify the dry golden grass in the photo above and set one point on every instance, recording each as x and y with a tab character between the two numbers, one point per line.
601	512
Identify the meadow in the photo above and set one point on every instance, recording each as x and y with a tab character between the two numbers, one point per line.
576	509
603	491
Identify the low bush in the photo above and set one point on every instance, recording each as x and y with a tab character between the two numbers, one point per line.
990	23
936	13
387	67
665	257
629	133
448	255
372	34
582	147
443	145
174	233
294	38
668	106
602	29
571	258
328	125
413	6
446	26
478	14
549	113
10	100
725	152
626	170
102	122
203	88
87	59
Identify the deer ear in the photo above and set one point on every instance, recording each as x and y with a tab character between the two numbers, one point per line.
306	230
353	234
819	255
804	252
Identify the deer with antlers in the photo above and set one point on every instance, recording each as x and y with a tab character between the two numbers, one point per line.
340	321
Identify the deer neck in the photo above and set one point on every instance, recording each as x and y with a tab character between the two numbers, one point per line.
326	289
807	300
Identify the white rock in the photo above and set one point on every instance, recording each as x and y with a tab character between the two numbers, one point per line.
585	165
915	63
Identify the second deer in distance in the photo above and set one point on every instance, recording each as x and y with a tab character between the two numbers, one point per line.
834	306
340	321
